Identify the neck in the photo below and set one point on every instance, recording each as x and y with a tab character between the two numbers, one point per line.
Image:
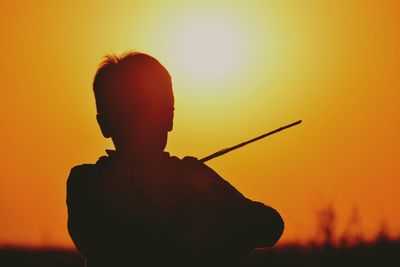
137	155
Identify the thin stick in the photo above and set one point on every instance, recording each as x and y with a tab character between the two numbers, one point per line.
229	149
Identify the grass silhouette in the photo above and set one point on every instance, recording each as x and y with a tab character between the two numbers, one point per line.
348	250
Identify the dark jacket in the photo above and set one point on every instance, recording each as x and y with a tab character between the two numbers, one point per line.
184	215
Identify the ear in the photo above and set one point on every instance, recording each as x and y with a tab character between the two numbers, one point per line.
105	130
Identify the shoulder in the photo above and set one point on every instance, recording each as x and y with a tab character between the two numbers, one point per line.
83	171
203	175
194	166
199	169
80	174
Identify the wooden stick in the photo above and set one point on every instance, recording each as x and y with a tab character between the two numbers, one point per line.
229	149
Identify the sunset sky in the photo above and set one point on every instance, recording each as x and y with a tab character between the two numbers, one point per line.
240	69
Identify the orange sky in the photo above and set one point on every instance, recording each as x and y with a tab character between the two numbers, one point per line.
240	68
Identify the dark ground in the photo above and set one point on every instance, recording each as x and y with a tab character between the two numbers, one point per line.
384	253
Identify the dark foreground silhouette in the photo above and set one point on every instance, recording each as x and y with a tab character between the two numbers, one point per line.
139	206
382	254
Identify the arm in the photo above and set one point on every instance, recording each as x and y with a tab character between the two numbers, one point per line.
240	221
78	207
264	224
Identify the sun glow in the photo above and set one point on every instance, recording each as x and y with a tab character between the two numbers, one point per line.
209	48
239	68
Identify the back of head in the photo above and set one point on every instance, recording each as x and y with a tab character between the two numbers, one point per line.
134	100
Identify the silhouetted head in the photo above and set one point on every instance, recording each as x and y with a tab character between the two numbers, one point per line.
135	102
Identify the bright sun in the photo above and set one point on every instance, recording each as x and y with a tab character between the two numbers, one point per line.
208	48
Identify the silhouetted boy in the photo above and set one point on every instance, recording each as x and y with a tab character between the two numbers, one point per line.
139	206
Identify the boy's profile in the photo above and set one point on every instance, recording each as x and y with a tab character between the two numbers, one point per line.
139	206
